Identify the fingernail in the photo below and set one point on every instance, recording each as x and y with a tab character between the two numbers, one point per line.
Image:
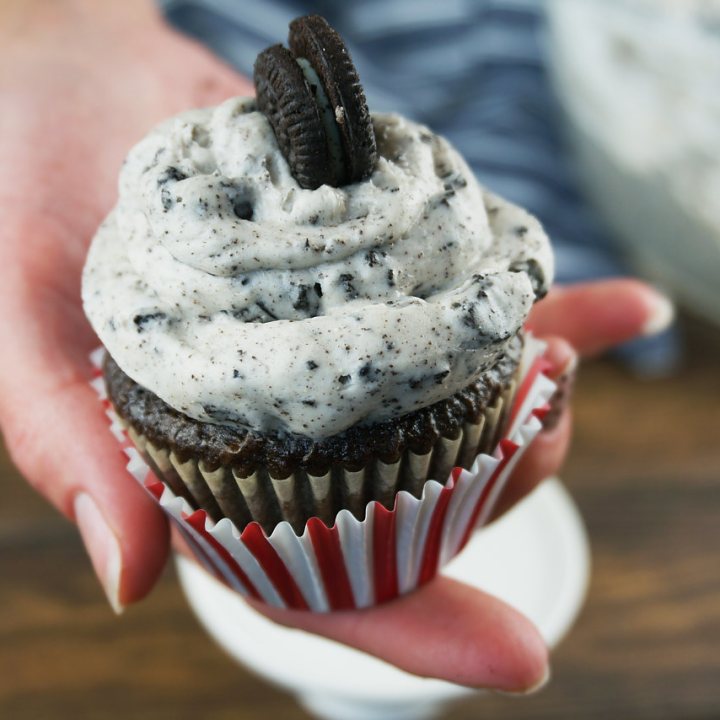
537	687
560	399
662	313
570	367
103	547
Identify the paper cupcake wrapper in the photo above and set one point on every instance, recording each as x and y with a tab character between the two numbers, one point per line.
354	563
268	500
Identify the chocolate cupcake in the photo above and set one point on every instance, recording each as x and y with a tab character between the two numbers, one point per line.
288	338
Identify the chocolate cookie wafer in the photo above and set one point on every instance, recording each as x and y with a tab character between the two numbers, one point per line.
312	38
314	101
289	104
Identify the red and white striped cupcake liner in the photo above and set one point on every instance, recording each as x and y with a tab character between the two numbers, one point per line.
354	563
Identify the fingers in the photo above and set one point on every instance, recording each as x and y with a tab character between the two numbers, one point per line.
592	317
62	444
595	316
444	630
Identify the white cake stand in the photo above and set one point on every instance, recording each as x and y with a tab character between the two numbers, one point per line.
536	558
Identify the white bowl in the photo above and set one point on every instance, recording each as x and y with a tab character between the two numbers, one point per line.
638	81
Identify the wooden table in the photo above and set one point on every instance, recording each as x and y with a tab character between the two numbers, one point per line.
645	470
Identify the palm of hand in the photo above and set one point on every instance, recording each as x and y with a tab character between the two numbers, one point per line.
79	97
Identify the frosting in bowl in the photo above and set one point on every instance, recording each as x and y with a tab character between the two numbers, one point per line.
638	81
239	298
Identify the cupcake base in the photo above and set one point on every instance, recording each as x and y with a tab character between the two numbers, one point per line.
354	563
247	477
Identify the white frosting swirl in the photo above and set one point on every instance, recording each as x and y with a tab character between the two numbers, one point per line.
240	298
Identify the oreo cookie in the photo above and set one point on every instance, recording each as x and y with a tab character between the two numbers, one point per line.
312	96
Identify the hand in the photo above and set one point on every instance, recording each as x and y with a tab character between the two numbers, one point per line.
80	82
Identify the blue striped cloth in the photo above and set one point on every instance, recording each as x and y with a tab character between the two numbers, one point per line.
472	70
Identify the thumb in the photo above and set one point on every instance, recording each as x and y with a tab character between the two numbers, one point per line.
61	443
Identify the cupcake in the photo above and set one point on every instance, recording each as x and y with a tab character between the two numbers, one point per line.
307	308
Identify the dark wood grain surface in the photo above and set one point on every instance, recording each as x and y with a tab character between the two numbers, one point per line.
645	470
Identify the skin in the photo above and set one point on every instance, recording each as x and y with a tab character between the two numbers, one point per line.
80	83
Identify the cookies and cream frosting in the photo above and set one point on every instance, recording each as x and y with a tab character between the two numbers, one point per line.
239	298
